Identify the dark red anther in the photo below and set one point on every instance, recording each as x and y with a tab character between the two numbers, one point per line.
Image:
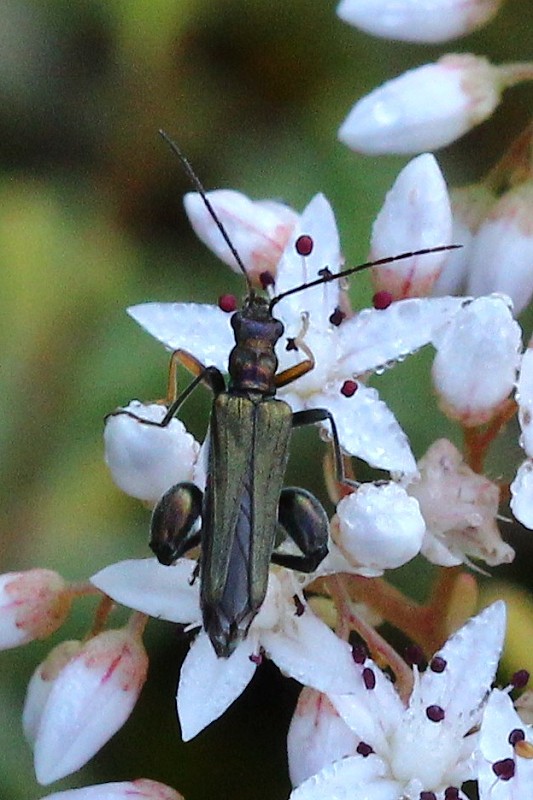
337	317
227	303
304	245
516	735
435	713
359	653
256	658
349	388
504	769
520	679
364	749
451	793
266	279
325	273
382	300
291	345
300	607
437	664
369	678
415	655
428	796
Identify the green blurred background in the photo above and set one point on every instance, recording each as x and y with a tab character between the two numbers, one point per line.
91	222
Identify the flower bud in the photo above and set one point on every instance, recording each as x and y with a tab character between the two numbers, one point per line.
477	358
415	21
460	509
92	696
258	229
33	605
317	736
502	251
416	214
141	789
425	108
146	460
470	206
522	494
379	527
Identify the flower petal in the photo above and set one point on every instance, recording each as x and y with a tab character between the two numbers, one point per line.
524	397
199	329
353	777
208	685
522	494
146	585
143	789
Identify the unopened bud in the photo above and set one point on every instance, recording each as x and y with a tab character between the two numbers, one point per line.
317	736
425	108
90	699
33	605
257	229
416	215
145	460
415	21
502	253
141	789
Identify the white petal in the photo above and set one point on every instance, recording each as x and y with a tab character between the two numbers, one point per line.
317	221
208	685
258	230
374	338
471	656
148	586
415	21
423	109
477	358
524	397
416	215
355	777
90	700
522	494
142	789
304	648
145	460
379	526
368	429
202	330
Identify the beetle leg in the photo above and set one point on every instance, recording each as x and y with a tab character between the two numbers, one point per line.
302	517
312	415
173	524
293	373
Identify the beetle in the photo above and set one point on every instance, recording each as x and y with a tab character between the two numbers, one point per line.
245	511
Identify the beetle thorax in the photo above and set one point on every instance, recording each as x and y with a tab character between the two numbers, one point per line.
253	362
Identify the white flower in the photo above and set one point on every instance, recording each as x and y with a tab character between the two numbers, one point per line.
460	509
142	789
416	21
378	527
342	347
285	628
502	251
33	604
258	229
522	486
428	745
506	752
146	460
425	108
478	354
93	689
416	215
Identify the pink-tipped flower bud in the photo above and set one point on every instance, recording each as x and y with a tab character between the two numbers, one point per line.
91	697
317	736
146	460
257	229
425	108
415	21
416	215
502	252
460	509
478	354
470	206
33	605
378	527
141	789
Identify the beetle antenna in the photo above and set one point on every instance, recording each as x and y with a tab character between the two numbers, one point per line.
333	276
203	194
